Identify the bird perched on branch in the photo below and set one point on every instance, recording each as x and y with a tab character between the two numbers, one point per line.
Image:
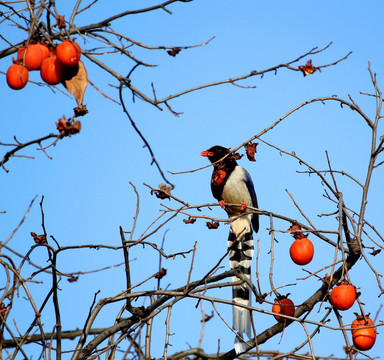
231	184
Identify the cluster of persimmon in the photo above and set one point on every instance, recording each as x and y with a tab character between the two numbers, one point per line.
52	61
342	297
301	252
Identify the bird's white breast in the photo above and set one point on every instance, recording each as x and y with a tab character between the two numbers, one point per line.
235	190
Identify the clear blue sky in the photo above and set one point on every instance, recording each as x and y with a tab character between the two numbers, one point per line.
86	184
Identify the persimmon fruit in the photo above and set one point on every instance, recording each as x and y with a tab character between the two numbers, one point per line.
52	71
68	53
343	296
17	76
363	337
302	251
283	305
33	56
44	49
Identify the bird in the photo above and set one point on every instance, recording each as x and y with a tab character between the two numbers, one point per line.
232	184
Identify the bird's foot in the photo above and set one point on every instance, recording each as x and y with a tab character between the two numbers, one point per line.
243	206
222	203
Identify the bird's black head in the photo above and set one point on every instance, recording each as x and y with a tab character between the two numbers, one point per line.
215	153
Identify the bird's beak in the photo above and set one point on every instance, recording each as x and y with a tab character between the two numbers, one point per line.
207	153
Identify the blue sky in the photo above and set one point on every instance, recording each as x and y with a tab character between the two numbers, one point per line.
86	188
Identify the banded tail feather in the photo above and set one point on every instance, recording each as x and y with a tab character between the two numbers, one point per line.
240	244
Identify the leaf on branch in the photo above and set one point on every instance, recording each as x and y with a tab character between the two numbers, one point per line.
73	279
68	128
236	156
76	81
212	225
190	220
163	192
251	150
39	239
80	110
207	317
308	68
162	195
161	273
174	51
60	22
375	252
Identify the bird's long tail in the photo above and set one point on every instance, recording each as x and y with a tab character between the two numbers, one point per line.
240	243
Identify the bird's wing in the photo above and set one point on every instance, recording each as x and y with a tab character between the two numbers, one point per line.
252	192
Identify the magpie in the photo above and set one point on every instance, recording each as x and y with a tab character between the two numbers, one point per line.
232	186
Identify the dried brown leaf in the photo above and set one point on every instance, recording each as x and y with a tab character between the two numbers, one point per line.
60	22
308	68
80	110
236	156
61	125
67	128
173	52
161	273
251	150
190	220
212	225
39	239
208	317
163	192
76	81
375	252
